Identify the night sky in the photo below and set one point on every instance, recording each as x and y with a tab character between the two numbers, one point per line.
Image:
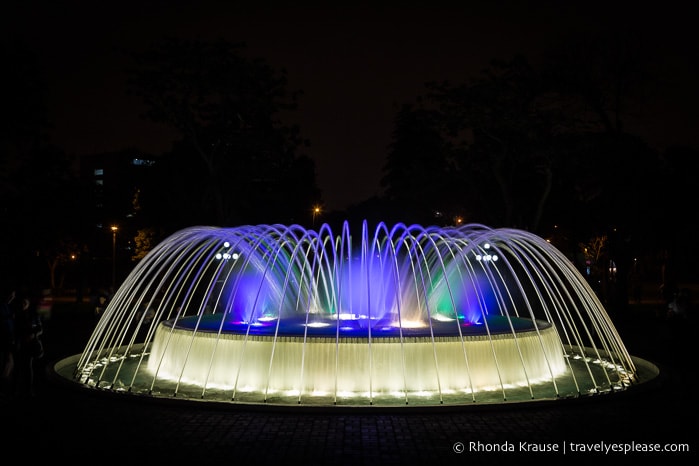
356	65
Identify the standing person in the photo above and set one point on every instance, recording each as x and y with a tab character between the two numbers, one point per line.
7	339
668	285
28	345
100	306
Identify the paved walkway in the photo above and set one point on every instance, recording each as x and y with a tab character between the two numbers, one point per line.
65	422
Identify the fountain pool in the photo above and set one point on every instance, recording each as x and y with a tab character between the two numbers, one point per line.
399	315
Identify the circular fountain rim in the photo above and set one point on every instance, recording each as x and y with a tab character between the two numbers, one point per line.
650	375
492	326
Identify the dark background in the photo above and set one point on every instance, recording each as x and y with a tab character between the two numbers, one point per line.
356	63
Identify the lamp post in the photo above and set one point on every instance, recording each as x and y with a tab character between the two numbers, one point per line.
316	212
114	231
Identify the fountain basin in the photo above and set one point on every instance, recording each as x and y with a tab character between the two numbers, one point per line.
321	362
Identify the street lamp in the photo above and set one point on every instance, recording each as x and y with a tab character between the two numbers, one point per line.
316	212
114	230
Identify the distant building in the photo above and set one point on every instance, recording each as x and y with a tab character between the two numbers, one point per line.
116	179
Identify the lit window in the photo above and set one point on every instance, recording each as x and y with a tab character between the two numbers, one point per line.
142	162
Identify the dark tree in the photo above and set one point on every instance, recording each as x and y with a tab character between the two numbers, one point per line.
236	161
40	197
531	147
671	216
419	172
505	139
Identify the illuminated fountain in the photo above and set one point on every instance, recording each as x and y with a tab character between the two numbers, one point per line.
399	315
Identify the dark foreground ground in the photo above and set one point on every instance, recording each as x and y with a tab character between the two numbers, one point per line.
67	423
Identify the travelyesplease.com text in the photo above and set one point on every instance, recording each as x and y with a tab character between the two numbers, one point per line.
569	447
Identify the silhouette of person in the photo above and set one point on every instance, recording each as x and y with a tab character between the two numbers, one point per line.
7	339
100	306
28	345
668	286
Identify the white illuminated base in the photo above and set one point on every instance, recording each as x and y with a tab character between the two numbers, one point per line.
355	366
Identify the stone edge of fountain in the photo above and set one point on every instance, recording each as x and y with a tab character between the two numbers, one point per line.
651	377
